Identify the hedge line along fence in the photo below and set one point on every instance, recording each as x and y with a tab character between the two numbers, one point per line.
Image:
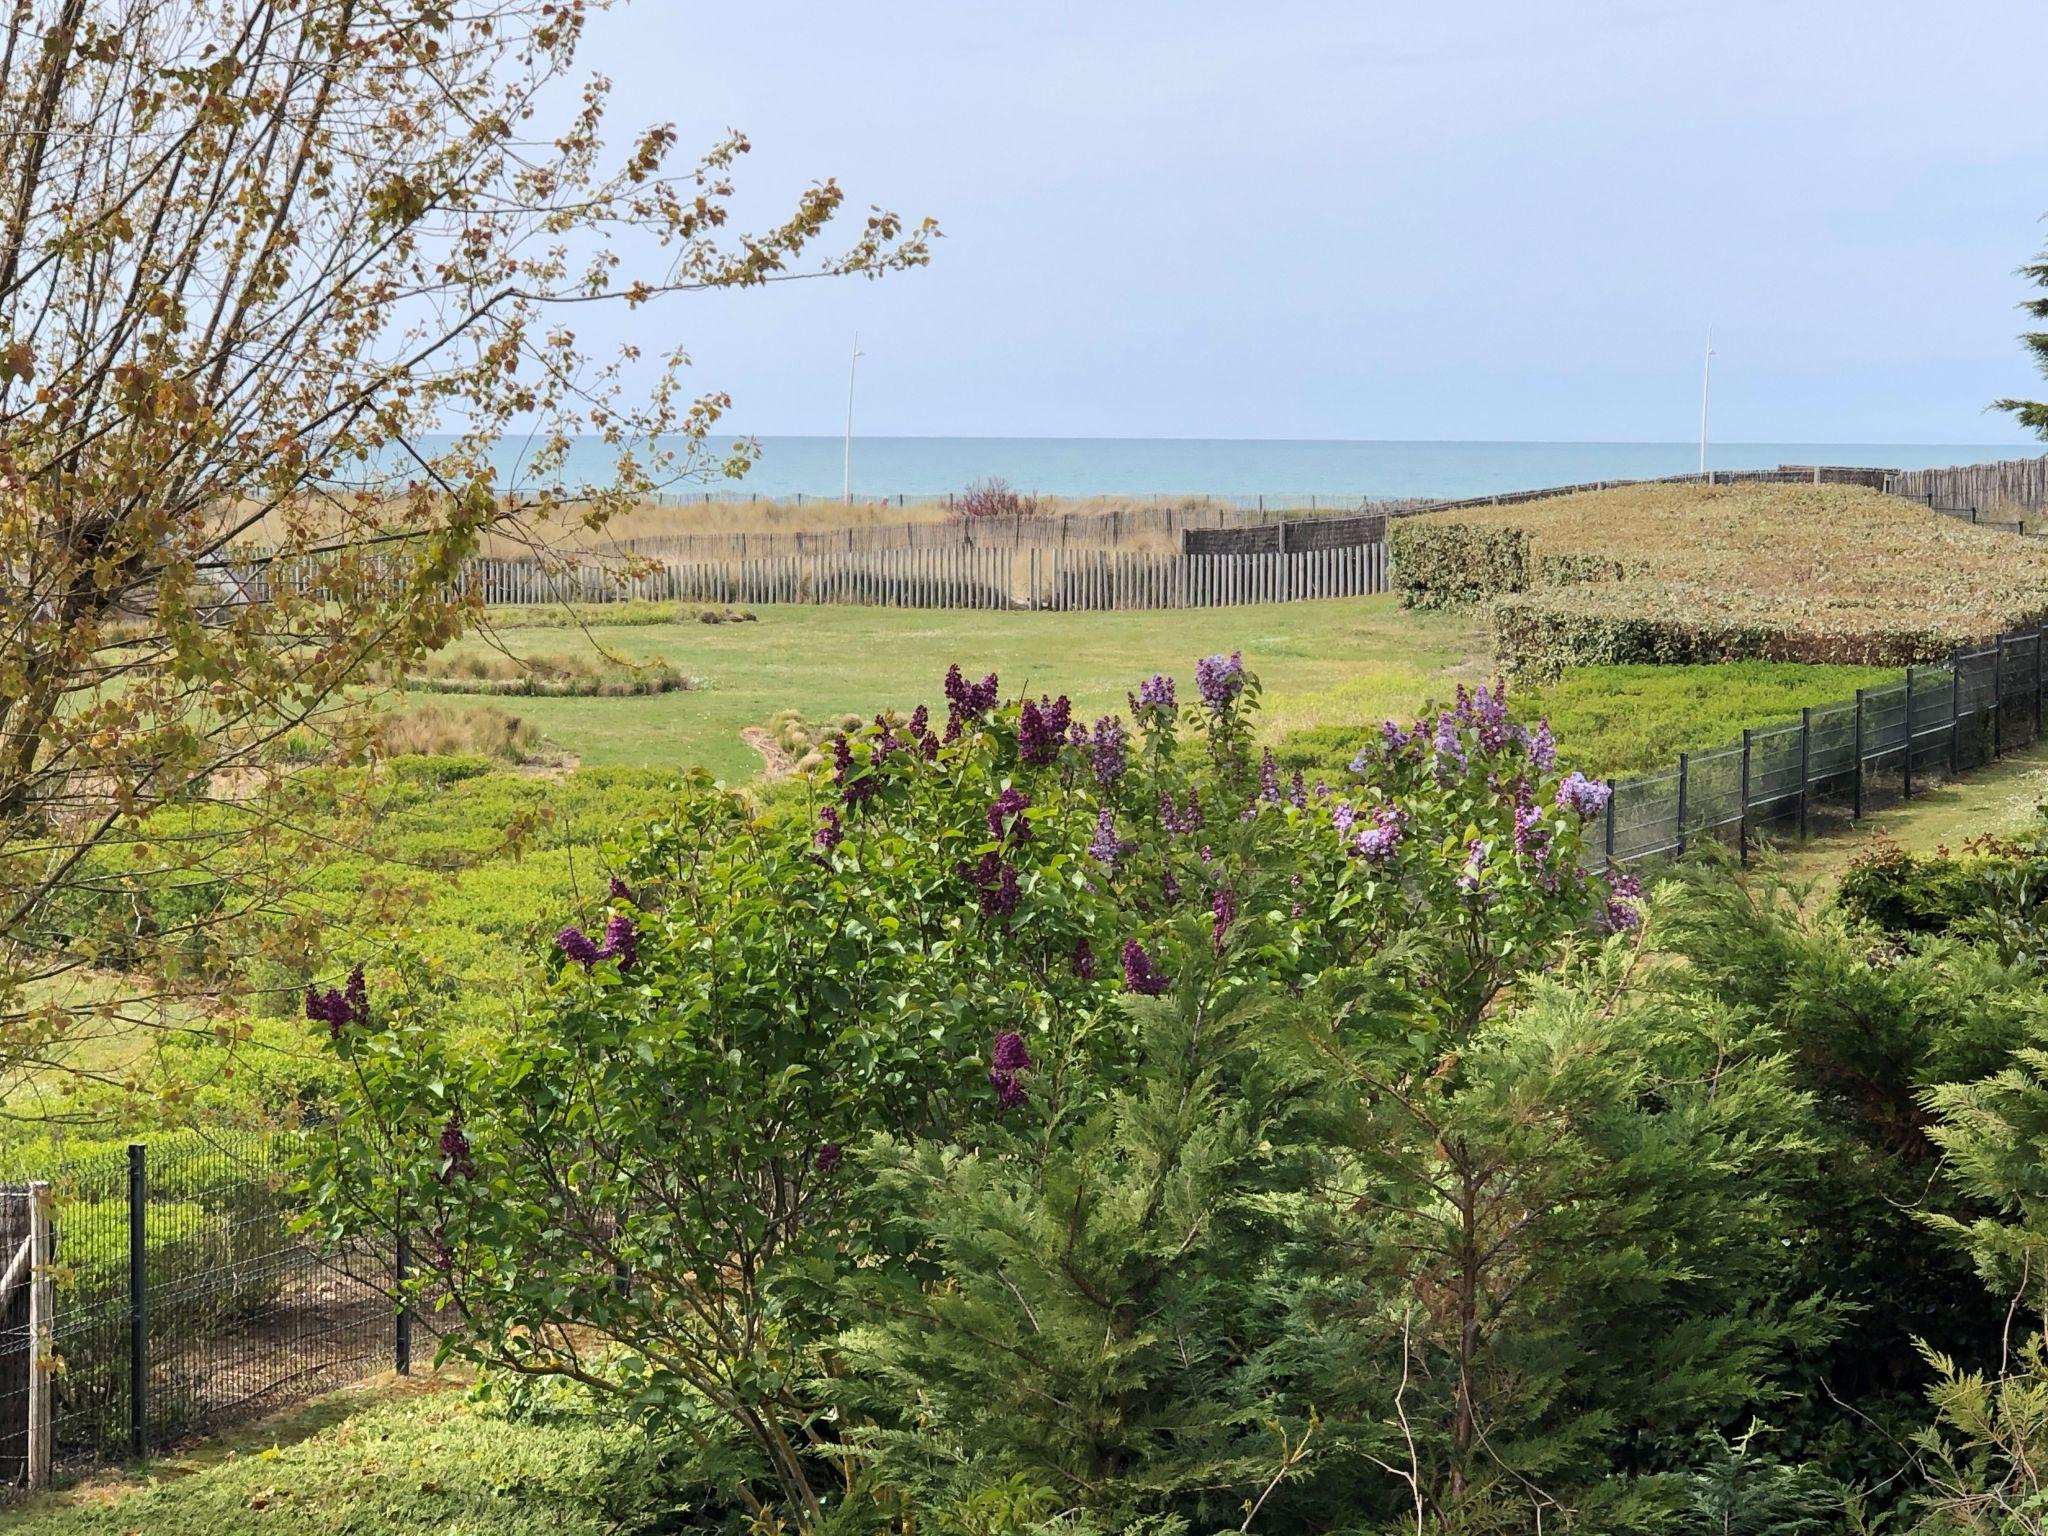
147	1292
1885	744
990	579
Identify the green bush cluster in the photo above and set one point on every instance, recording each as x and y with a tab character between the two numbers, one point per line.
1443	564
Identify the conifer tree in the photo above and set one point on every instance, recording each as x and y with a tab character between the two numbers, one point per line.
2033	414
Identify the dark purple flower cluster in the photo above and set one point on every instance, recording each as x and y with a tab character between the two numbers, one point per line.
1084	959
1153	703
621	943
920	721
1182	818
1473	875
966	701
1007	813
1587	797
829	1157
1220	679
852	790
994	882
1269	778
623	892
1007	1058
1224	912
1169	888
338	1010
1297	792
456	1163
830	832
1107	847
1621	914
1139	974
1107	749
1042	729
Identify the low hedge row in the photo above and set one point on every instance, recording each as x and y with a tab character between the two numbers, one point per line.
1450	564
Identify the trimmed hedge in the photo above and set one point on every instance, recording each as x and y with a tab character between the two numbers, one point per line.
1449	564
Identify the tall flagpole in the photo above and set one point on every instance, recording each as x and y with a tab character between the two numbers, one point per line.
1706	388
846	486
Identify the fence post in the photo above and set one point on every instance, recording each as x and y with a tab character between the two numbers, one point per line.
2039	631
1805	767
401	1333
1856	811
138	1300
1742	822
1997	696
1955	712
1684	773
41	1334
1607	835
1909	732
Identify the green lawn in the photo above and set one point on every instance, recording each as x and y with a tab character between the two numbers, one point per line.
1341	658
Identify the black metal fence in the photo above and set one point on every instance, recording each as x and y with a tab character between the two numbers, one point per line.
182	1300
1884	745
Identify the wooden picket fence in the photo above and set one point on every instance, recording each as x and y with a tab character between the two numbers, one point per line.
2010	488
1059	580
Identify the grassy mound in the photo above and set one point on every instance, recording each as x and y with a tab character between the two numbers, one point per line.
1681	574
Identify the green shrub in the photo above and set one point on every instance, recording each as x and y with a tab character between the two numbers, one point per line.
1439	564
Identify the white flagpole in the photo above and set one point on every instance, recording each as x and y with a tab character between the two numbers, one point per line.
846	486
1706	388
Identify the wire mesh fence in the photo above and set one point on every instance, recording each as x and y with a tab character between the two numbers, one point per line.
181	1298
1886	744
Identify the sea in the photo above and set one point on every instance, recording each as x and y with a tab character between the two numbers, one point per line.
1244	469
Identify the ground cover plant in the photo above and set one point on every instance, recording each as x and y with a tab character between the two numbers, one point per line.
1668	573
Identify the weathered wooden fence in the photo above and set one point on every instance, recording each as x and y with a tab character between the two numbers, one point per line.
2008	489
1784	474
1065	580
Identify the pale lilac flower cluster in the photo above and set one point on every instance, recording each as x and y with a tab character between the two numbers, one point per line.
1007	1058
1342	817
1542	748
1223	911
1153	704
1140	975
1106	748
1470	878
1220	679
1297	792
1107	847
1183	818
1269	779
1378	843
1621	914
1587	797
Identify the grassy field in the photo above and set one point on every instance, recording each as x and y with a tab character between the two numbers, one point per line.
1342	659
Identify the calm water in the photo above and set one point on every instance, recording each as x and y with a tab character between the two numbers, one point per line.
1072	466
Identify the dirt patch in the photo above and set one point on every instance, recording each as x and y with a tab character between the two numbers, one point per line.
776	763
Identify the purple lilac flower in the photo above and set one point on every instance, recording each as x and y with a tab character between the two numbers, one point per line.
1084	959
1449	750
1008	810
1621	914
623	892
829	830
1039	731
1473	875
1139	974
1153	703
1361	761
920	722
1107	847
1342	816
621	941
1185	818
455	1159
1297	792
1008	1057
1377	843
995	884
1543	748
1220	679
1486	711
1169	888
578	946
930	746
1224	911
829	1157
1393	738
1107	749
969	699
1588	797
1269	778
338	1010
851	790
1532	838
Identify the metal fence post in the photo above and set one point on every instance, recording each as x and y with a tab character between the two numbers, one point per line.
1684	766
138	1300
1909	731
1607	835
1742	822
1856	810
401	1333
1955	713
41	1335
2039	630
1805	768
1997	696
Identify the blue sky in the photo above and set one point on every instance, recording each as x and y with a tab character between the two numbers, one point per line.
1423	220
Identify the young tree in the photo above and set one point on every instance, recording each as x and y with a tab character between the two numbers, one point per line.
282	274
2033	414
